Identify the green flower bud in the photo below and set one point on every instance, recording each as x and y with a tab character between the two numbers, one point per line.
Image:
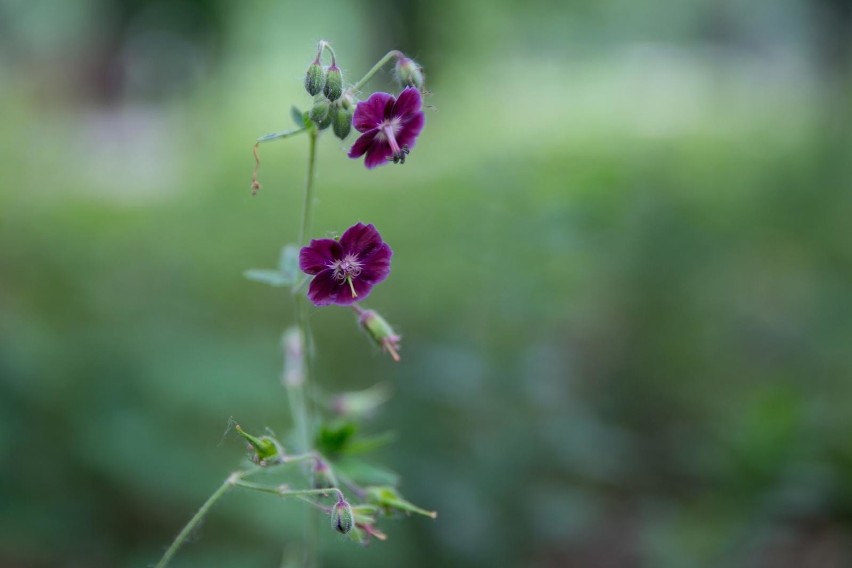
333	83
409	73
342	519
325	122
380	331
265	449
315	78
324	477
341	121
320	111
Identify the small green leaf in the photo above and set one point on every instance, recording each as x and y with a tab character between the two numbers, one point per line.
332	440
365	444
365	473
282	134
298	117
274	278
288	262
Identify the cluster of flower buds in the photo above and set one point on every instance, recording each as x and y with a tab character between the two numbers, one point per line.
332	106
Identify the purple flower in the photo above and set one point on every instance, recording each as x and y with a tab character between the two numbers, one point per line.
344	271
389	126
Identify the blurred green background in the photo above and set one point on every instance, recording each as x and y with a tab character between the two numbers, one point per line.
623	257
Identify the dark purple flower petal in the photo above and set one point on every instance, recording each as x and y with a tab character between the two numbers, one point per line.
363	143
370	113
319	255
376	266
324	288
410	130
378	154
360	239
407	103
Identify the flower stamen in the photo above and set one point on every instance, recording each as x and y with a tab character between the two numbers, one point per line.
351	286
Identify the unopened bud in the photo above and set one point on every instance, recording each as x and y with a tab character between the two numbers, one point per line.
361	404
315	78
264	449
323	475
293	343
320	111
409	73
380	331
333	83
341	122
341	517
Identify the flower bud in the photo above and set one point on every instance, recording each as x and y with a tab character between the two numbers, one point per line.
341	121
409	73
320	111
333	83
360	404
380	331
293	343
341	517
323	476
315	78
265	449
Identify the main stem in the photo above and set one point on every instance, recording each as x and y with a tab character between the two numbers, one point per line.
300	395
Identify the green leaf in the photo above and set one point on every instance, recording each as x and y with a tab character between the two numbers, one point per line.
364	473
288	263
282	134
333	439
365	444
298	117
274	278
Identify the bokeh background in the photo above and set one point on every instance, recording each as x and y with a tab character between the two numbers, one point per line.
622	272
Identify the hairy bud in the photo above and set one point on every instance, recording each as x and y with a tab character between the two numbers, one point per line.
380	331
333	83
324	477
320	111
315	78
342	519
409	73
293	343
341	122
264	449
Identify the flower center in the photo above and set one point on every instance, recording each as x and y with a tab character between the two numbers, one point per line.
346	270
387	129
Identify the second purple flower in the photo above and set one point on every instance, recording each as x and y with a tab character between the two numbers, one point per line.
390	127
345	270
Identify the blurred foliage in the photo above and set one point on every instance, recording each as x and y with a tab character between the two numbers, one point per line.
622	271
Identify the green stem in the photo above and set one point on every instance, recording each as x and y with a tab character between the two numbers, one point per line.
297	394
232	480
283	492
388	56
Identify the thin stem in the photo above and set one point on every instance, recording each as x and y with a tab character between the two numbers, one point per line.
325	45
307	206
297	394
282	491
232	480
363	81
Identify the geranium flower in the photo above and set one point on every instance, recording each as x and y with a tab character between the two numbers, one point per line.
389	126
345	271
